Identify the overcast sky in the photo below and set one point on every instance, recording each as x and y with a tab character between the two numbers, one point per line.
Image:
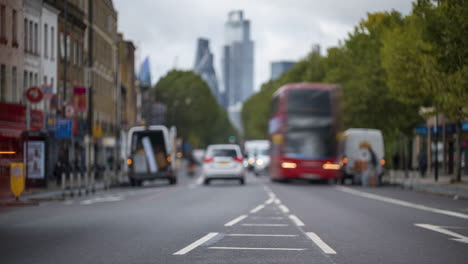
167	30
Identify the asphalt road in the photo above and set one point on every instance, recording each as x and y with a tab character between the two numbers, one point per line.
260	222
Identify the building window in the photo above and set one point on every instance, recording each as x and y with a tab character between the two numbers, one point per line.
31	83
14	29
61	46
75	52
44	80
35	80
52	83
36	39
52	43
2	82
2	25
30	38
46	39
25	40
14	88
25	81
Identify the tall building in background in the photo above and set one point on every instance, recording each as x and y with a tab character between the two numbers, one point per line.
280	67
129	91
237	59
204	67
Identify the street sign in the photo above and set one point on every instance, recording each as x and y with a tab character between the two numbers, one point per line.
69	111
17	179
34	94
63	128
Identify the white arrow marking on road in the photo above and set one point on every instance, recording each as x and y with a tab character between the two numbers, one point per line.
457	237
401	202
264	225
256	209
195	244
102	199
277	201
269	201
296	220
235	221
319	242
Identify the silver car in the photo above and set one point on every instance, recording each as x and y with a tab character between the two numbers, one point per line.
223	162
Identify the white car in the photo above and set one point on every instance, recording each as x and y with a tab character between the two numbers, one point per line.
223	162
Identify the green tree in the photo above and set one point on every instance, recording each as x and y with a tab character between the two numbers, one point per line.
193	109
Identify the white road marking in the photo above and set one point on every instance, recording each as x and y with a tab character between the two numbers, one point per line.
402	203
260	235
264	224
319	242
269	201
267	217
247	248
284	208
457	237
256	209
235	221
102	199
296	220
271	195
277	201
68	202
195	244
199	180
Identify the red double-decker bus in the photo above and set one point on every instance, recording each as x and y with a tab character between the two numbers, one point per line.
303	127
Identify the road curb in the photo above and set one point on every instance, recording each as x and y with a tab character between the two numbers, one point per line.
19	203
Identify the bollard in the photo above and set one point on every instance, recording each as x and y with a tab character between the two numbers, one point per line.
106	179
92	180
86	182
79	183
72	193
64	186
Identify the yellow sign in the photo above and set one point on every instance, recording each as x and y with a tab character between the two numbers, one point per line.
97	131
277	139
17	179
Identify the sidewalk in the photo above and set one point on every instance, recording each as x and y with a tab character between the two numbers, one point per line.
443	186
53	192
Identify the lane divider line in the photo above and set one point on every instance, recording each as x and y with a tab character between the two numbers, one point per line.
277	201
256	209
236	220
401	202
264	224
260	235
284	208
267	217
269	201
296	220
247	248
196	244
319	242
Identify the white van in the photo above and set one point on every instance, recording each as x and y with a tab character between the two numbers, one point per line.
351	151
150	154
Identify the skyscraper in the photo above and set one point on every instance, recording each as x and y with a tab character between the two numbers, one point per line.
204	67
237	61
280	67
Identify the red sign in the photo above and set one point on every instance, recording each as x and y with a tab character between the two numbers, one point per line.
34	94
13	120
79	99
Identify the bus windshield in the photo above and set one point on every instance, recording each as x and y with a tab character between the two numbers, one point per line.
316	102
311	143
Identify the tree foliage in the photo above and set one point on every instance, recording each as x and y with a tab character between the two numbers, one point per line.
192	108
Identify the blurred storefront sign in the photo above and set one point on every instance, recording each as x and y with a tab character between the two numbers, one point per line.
50	122
13	120
97	131
79	99
35	160
47	90
54	102
63	128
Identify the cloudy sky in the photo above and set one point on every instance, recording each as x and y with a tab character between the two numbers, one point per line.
167	30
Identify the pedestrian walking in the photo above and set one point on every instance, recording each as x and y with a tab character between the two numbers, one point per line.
422	161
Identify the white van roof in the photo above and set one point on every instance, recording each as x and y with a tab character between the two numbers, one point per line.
149	128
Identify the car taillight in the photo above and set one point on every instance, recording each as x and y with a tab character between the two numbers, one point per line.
238	159
129	162
208	160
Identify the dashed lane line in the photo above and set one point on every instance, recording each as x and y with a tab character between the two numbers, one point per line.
236	220
260	235
264	224
248	248
296	220
401	202
256	209
319	242
196	244
284	208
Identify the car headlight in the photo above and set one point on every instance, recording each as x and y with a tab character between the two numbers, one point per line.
259	162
